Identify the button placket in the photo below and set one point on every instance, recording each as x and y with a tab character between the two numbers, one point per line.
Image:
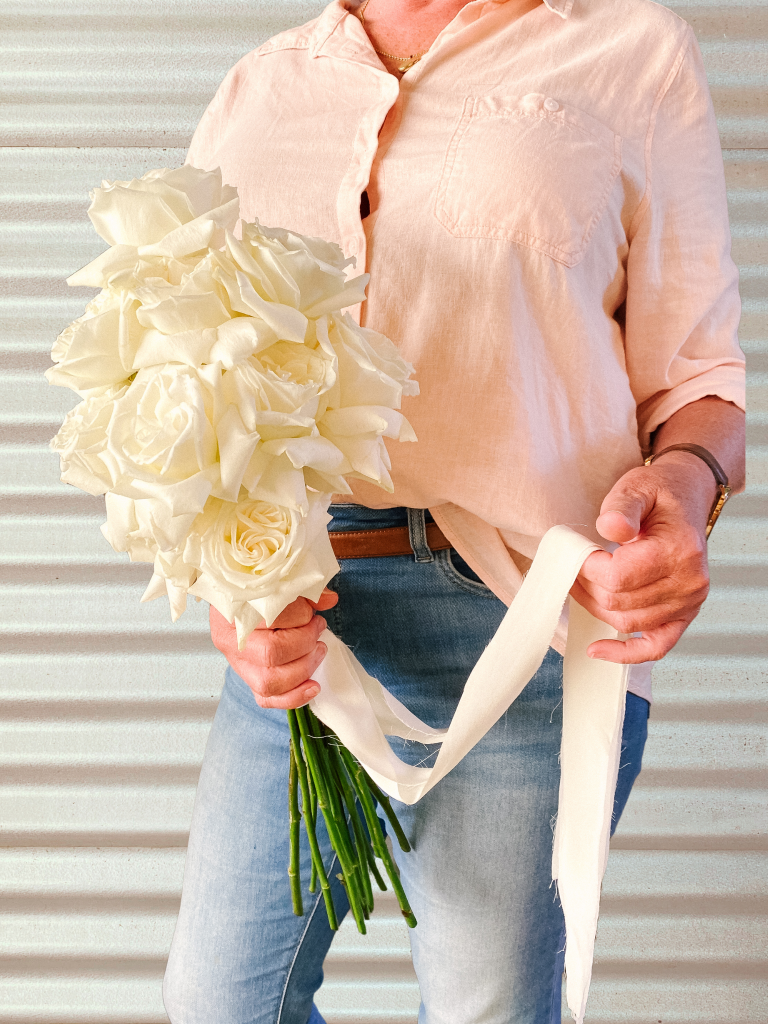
354	240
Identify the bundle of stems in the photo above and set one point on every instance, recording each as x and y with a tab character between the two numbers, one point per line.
328	777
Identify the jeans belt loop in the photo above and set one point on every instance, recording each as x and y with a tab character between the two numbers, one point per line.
417	531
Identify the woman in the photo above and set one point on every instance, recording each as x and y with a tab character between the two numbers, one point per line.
537	191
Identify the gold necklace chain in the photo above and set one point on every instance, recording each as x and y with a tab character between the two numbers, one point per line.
404	63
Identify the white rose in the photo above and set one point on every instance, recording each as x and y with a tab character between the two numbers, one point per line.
96	352
226	396
161	441
254	558
193	321
371	369
121	268
82	439
147	531
173	579
149	212
144	527
166	213
305	273
362	408
300	364
213	314
274	399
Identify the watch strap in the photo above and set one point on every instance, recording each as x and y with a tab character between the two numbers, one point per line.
699	452
723	490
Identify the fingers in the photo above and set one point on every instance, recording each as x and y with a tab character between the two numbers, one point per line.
223	633
268	646
277	664
657	580
293	699
288	686
670	596
630	567
675	558
273	648
631	614
651	646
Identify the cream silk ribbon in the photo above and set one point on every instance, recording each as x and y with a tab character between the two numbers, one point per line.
363	713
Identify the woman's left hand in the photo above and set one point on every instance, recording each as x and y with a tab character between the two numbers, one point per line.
656	582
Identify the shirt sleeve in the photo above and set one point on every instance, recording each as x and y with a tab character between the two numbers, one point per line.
683	306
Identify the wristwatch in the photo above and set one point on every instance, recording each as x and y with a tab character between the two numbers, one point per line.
723	490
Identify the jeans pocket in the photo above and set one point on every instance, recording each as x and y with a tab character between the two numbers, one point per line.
458	572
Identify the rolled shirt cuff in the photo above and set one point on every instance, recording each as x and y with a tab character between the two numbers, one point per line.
727	382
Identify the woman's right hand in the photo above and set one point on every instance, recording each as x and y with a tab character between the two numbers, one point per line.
278	660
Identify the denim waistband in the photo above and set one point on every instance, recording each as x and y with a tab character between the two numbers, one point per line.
358	517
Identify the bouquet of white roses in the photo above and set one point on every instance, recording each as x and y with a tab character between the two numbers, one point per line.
226	397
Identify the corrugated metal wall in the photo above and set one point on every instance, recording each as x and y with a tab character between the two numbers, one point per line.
104	706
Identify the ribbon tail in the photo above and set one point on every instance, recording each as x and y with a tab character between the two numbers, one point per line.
594	694
352	703
363	714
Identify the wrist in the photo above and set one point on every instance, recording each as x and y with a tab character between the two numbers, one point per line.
690	482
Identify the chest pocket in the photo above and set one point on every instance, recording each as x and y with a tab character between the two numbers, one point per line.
531	170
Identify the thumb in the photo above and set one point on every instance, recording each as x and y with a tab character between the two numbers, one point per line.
622	513
327	600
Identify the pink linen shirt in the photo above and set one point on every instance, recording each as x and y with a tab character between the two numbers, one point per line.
548	244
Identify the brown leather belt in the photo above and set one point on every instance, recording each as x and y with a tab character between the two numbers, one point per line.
391	540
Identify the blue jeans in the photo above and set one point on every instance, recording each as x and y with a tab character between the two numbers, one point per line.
488	946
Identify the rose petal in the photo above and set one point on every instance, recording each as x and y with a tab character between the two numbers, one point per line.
98	272
180	313
126	216
189	347
197	235
287	323
236	446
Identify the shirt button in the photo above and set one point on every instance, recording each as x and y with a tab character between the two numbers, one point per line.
550	104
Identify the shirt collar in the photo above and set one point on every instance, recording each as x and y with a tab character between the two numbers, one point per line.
325	26
561	7
336	11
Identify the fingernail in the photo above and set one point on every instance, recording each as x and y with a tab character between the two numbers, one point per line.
310	692
596	657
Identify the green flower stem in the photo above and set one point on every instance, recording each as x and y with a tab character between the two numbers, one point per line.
363	840
362	843
309	821
313	812
342	793
355	869
383	799
337	831
374	868
294	869
358	776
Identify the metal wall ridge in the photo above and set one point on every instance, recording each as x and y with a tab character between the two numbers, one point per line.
102	642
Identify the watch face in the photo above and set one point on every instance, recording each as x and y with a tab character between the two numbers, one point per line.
725	493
